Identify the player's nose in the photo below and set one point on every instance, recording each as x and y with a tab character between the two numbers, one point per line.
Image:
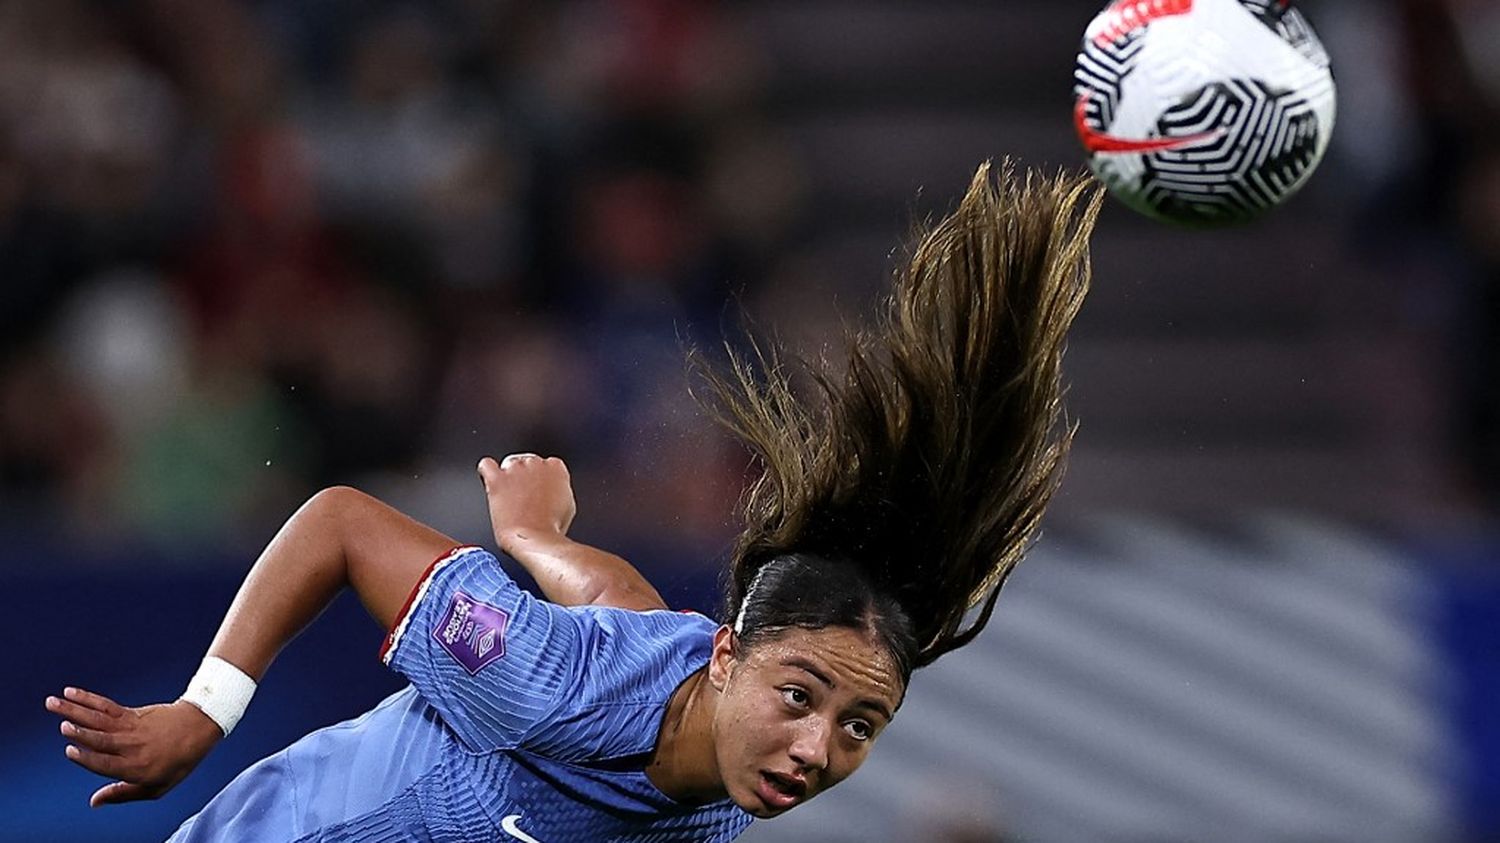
809	749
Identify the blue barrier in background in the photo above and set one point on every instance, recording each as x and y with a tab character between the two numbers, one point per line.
1470	578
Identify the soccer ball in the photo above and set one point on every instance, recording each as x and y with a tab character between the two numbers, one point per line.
1203	112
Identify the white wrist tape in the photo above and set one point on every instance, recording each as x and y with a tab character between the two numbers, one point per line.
222	691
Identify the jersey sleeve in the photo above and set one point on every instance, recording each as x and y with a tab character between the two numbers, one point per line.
635	662
491	658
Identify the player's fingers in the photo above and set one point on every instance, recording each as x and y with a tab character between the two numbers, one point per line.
81	715
513	459
91	738
96	762
98	702
117	792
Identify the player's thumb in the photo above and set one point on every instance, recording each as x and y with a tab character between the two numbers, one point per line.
117	792
489	470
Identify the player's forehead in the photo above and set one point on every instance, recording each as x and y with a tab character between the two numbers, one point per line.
845	661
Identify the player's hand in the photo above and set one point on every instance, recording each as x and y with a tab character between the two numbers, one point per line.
528	497
148	750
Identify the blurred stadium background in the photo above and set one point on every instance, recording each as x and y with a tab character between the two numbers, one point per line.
251	249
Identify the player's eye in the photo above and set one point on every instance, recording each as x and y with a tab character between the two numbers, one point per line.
859	730
795	697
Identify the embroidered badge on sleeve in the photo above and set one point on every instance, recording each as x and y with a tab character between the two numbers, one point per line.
472	632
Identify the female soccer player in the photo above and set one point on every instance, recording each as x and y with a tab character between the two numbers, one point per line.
890	505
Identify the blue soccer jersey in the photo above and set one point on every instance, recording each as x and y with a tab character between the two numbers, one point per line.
524	721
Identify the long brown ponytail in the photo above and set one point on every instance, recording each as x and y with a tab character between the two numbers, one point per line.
927	460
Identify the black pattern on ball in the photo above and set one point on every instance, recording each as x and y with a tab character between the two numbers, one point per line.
1268	142
1100	72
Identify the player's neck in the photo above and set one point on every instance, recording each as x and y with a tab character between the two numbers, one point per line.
684	765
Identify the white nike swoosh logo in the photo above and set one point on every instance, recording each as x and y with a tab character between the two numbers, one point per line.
508	825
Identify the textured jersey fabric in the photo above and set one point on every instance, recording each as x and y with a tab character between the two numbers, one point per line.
524	721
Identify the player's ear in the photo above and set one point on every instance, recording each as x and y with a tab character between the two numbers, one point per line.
721	662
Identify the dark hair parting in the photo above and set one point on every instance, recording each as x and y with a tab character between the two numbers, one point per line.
919	470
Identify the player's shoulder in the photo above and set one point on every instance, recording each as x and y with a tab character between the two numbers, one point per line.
648	627
633	650
631	664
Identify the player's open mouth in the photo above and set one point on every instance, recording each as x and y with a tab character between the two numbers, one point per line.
780	792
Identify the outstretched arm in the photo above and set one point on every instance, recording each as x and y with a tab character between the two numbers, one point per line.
340	537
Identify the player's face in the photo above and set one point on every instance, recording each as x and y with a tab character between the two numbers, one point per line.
798	713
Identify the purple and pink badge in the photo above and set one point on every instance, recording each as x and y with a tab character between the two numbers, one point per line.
472	632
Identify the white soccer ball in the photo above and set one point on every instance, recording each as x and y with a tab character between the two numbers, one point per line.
1203	112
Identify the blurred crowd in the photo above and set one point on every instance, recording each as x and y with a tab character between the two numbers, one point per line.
1449	200
249	248
1420	136
252	249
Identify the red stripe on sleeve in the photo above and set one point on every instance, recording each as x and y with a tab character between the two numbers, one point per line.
411	599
